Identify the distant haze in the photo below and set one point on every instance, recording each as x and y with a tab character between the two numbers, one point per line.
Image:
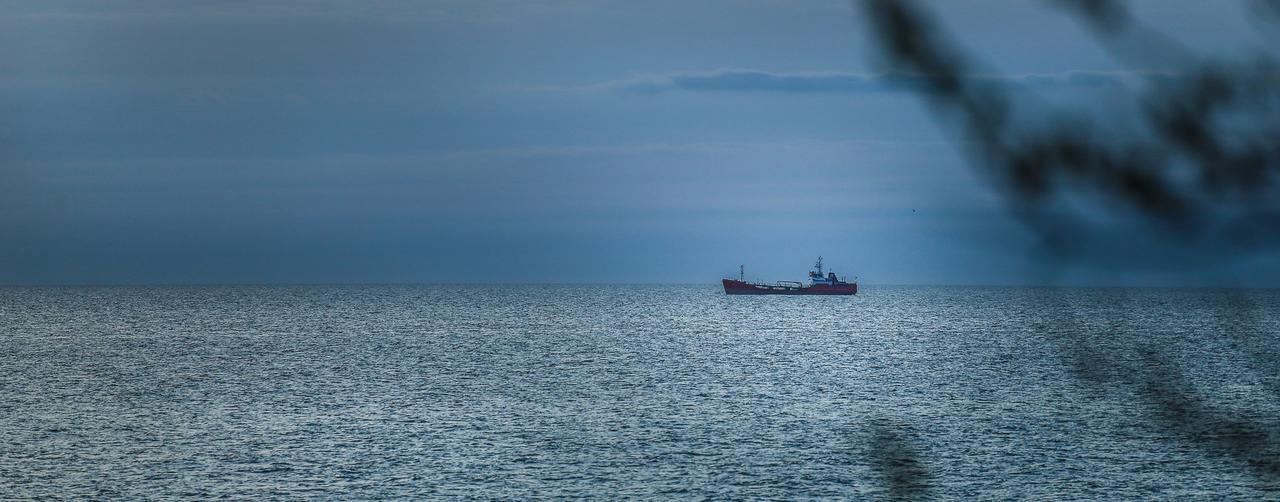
283	142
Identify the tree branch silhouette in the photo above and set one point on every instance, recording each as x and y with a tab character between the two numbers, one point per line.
1214	118
1198	164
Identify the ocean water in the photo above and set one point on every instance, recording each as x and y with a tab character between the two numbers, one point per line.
666	392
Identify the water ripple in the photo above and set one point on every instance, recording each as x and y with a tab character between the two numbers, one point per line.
636	391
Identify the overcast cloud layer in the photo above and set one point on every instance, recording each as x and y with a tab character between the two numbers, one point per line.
145	142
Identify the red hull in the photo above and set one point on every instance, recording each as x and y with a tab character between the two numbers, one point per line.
732	287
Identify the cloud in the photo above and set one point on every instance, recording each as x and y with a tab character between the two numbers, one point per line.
744	80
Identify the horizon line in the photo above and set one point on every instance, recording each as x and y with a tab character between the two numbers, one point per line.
550	283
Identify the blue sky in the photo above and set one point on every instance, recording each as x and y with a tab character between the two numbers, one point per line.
215	142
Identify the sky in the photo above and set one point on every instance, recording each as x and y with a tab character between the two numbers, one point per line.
601	142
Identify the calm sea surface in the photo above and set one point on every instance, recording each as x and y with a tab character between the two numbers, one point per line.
637	391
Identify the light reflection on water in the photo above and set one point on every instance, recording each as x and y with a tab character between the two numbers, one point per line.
661	391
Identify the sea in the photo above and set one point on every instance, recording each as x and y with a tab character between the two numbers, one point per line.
637	391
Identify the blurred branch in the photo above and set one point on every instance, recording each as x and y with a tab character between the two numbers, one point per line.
1217	117
1271	7
896	458
1183	411
1200	163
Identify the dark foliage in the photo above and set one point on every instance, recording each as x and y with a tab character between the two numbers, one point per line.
1200	169
1218	120
895	457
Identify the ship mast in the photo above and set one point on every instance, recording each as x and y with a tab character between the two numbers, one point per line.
819	265
741	274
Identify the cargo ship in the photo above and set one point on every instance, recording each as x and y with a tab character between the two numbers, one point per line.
818	285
